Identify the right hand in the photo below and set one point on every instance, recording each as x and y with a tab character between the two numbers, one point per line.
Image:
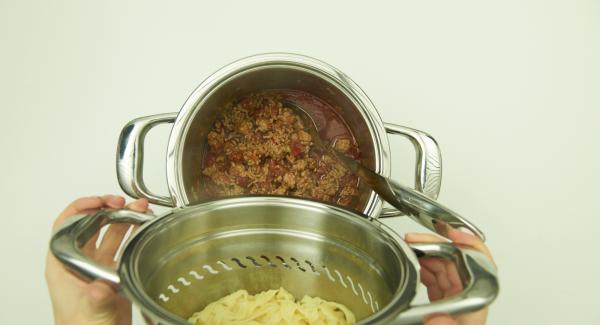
441	277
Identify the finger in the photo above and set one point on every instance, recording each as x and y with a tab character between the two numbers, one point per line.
462	238
446	275
456	236
108	201
85	205
424	238
140	205
438	268
89	248
434	293
113	201
440	320
428	278
433	290
116	232
77	206
111	242
454	279
433	264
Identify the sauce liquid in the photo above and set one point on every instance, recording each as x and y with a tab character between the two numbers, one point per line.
329	123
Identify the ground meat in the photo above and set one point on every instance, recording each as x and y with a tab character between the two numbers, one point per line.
258	146
342	145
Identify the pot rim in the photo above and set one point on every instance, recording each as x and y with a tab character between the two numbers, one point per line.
319	68
132	288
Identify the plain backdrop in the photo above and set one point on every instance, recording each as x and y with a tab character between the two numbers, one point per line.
510	89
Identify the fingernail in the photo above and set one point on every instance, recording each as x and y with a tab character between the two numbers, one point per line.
409	234
465	230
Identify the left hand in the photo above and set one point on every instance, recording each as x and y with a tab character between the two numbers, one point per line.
77	302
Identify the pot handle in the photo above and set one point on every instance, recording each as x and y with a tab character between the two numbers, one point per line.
477	272
130	154
428	174
66	243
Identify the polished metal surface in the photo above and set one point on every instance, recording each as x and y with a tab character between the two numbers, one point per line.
479	278
201	253
67	241
179	262
478	275
428	173
277	71
130	161
418	206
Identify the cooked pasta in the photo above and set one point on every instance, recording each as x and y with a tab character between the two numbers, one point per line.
273	307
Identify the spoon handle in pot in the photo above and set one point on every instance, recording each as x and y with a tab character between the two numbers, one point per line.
66	243
428	212
418	206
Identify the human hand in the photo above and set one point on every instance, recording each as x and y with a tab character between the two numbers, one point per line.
441	277
75	301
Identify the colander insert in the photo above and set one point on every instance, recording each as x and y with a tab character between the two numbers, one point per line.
191	259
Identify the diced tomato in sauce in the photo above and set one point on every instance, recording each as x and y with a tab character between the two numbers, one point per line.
297	148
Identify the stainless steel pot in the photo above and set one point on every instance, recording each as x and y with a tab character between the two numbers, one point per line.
179	262
268	71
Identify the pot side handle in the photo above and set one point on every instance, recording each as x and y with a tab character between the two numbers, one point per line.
428	174
66	243
477	273
130	154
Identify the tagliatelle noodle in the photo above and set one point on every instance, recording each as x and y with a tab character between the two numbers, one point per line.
272	307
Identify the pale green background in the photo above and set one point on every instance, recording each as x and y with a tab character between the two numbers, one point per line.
510	89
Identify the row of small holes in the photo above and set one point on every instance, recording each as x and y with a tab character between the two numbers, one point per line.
226	267
374	305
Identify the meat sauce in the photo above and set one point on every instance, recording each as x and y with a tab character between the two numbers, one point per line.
258	146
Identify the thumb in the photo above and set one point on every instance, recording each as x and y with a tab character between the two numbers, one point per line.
98	305
440	320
